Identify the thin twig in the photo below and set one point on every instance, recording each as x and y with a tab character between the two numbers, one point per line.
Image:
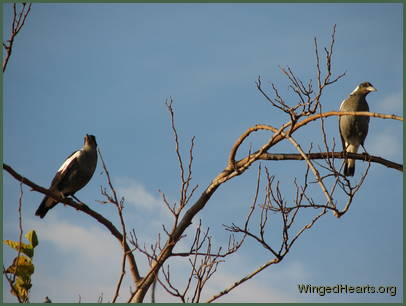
17	24
84	208
242	280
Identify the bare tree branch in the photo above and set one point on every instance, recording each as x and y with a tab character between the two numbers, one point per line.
119	205
17	23
244	163
203	257
338	155
242	280
87	210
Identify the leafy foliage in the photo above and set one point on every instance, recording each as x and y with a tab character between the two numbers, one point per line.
22	267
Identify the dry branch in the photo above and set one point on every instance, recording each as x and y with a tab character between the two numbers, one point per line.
87	210
338	155
201	256
242	280
17	23
278	136
119	205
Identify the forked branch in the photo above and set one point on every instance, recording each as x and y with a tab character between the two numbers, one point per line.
19	17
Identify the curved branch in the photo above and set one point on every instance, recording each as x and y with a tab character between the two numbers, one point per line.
337	113
233	169
87	210
226	174
312	167
240	140
245	162
338	155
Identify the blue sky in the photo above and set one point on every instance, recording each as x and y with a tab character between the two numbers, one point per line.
107	69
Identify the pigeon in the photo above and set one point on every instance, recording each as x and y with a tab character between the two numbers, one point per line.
73	175
354	129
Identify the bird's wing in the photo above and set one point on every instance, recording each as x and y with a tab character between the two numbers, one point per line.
66	169
339	125
342	104
342	139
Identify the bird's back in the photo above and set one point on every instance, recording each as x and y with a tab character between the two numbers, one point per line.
77	176
354	129
355	103
75	172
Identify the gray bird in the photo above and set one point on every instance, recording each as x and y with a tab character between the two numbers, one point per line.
354	129
73	175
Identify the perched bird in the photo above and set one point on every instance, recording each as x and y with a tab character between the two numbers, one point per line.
73	175
47	300
354	129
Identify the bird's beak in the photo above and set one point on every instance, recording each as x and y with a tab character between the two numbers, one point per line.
371	88
89	139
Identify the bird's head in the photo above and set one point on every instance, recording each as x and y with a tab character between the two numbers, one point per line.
364	89
90	141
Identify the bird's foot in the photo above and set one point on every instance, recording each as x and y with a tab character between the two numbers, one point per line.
366	155
73	196
344	154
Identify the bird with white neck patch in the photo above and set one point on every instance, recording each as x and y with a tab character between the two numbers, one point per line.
73	175
354	129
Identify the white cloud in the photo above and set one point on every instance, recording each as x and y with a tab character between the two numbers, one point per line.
73	260
250	291
293	271
266	286
386	145
89	260
136	193
392	103
146	210
90	243
388	142
70	287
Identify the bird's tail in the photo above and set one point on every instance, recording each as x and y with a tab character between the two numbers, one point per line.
46	204
349	164
349	167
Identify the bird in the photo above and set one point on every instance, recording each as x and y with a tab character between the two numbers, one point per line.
47	300
354	129
75	172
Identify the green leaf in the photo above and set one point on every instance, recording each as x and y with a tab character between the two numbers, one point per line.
26	249
13	244
23	283
22	287
32	238
21	266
